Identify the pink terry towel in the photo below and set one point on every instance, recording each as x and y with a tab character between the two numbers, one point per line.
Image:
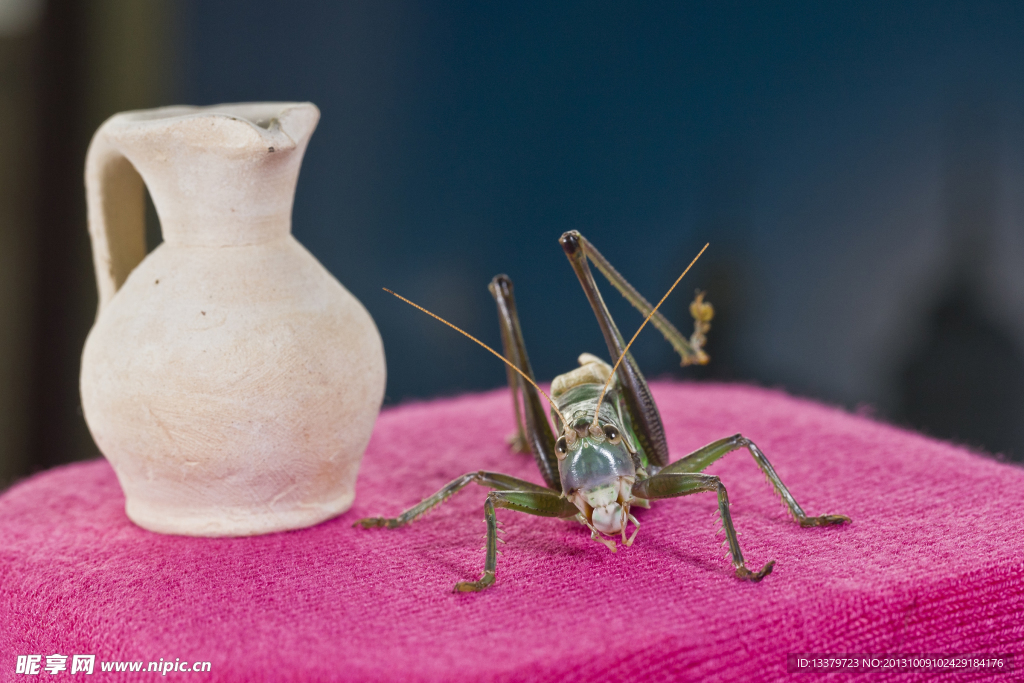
933	564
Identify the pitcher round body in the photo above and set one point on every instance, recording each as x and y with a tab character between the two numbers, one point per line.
229	379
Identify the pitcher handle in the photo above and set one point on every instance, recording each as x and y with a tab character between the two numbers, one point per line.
115	200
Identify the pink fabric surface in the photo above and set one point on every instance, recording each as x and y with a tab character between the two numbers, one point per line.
932	563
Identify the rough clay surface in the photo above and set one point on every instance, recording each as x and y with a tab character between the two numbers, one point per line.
933	563
230	380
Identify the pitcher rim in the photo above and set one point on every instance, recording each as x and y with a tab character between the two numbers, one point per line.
260	116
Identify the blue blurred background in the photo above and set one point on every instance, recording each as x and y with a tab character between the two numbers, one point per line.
857	168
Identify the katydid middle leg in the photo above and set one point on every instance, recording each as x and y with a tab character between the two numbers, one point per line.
699	460
674	485
543	503
492	480
510	493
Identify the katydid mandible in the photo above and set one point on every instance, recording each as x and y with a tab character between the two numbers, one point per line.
610	453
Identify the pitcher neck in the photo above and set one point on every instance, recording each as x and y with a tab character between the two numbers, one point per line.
216	202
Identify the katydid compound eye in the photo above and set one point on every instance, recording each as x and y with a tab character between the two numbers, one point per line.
561	447
611	433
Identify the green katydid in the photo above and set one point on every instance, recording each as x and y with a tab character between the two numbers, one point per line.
610	453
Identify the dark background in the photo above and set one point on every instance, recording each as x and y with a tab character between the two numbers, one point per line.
857	168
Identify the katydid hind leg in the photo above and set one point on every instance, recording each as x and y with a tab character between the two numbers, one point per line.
642	410
674	485
538	434
700	459
690	350
517	441
542	503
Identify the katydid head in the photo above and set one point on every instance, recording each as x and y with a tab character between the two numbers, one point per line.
597	473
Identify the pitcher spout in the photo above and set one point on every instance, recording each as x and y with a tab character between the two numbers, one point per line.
296	121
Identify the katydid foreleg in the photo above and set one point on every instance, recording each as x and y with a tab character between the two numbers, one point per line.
700	459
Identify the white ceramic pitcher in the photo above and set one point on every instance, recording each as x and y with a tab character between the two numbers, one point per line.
229	379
